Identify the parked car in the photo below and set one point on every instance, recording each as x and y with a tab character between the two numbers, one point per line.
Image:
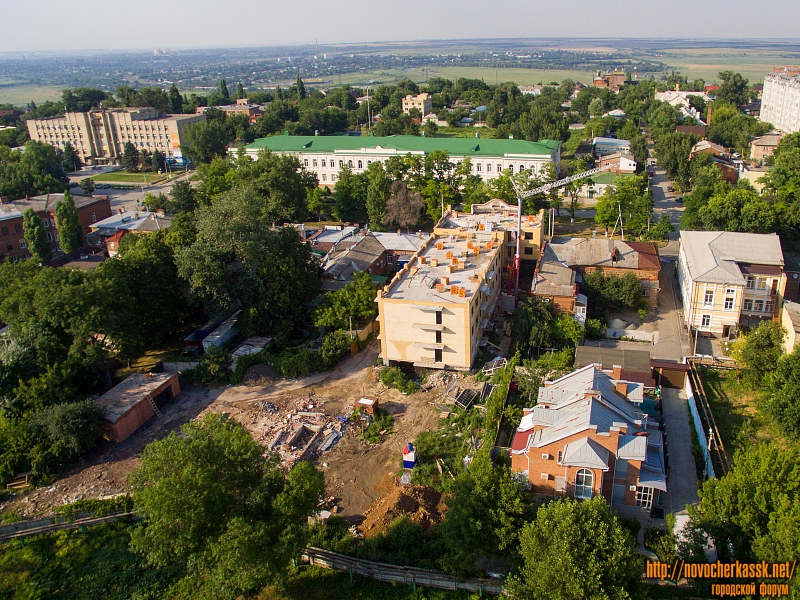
679	199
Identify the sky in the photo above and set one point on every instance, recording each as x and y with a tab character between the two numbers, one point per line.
146	24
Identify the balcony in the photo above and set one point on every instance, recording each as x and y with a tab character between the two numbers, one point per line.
428	326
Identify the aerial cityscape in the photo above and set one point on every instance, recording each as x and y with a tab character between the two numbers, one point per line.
298	313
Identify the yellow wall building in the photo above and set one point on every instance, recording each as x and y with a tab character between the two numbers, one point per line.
436	310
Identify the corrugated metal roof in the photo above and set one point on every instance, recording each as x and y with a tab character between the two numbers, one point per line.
586	453
632	447
712	256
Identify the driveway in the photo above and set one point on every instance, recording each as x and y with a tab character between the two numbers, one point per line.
664	202
682	480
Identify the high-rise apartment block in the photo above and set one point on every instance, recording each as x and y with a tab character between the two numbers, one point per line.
99	135
780	104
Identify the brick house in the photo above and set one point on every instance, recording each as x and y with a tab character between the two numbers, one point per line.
564	264
13	246
586	436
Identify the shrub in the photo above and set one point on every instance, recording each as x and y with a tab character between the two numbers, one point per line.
393	376
595	329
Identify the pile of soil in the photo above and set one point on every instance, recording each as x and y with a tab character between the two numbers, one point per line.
259	375
421	504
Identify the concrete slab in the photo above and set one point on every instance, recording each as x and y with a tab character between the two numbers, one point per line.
682	481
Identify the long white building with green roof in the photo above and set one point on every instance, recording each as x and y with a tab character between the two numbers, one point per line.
326	155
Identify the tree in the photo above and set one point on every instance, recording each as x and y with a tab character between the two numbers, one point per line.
239	256
378	192
533	325
575	550
753	512
350	196
207	140
783	402
175	100
182	198
130	157
612	291
70	232
760	349
738	209
87	185
404	207
219	512
630	197
158	162
37	170
355	301
301	88
72	161
485	514
532	374
35	237
240	95
223	89
672	152
430	128
735	89
146	160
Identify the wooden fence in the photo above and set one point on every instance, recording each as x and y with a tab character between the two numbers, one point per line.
394	573
22	529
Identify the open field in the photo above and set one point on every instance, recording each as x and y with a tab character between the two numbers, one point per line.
20	95
706	63
124	177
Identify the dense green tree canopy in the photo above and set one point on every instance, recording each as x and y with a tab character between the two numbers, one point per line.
218	510
238	256
577	550
354	301
36	237
70	232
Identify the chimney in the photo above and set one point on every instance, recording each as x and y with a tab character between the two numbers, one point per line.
622	388
617	371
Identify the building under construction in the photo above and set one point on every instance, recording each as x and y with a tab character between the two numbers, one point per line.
133	402
438	310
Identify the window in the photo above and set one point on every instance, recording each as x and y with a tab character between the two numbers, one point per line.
644	497
23	244
9	246
360	164
768	306
341	164
748	305
621	469
499	168
350	163
645	293
324	177
533	169
438	317
528	235
479	167
762	283
521	168
94	217
708	298
5	230
758	306
751	282
488	167
390	259
528	250
314	162
49	237
511	167
323	163
705	321
560	456
18	228
583	484
728	303
333	177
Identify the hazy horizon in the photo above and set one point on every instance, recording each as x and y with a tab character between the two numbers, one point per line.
203	24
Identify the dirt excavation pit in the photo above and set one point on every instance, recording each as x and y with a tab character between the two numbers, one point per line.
419	503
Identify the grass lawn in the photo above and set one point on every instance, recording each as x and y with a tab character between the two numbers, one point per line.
735	405
126	177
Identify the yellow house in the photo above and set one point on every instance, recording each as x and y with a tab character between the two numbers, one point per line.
728	279
790	319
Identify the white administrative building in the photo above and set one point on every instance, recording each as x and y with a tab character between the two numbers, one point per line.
326	155
780	103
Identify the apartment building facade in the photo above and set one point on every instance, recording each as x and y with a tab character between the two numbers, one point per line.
437	308
13	246
326	155
780	103
728	279
422	102
587	436
99	136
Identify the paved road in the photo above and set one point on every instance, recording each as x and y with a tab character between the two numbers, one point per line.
664	202
682	484
128	200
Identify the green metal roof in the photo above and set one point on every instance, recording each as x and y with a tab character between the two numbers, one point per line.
406	143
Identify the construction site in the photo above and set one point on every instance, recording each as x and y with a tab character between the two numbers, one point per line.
304	419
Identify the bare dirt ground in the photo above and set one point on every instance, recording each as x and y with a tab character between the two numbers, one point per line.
291	417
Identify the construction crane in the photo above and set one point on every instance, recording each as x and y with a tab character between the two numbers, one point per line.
542	190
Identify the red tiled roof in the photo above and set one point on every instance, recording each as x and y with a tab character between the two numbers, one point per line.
648	255
521	440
